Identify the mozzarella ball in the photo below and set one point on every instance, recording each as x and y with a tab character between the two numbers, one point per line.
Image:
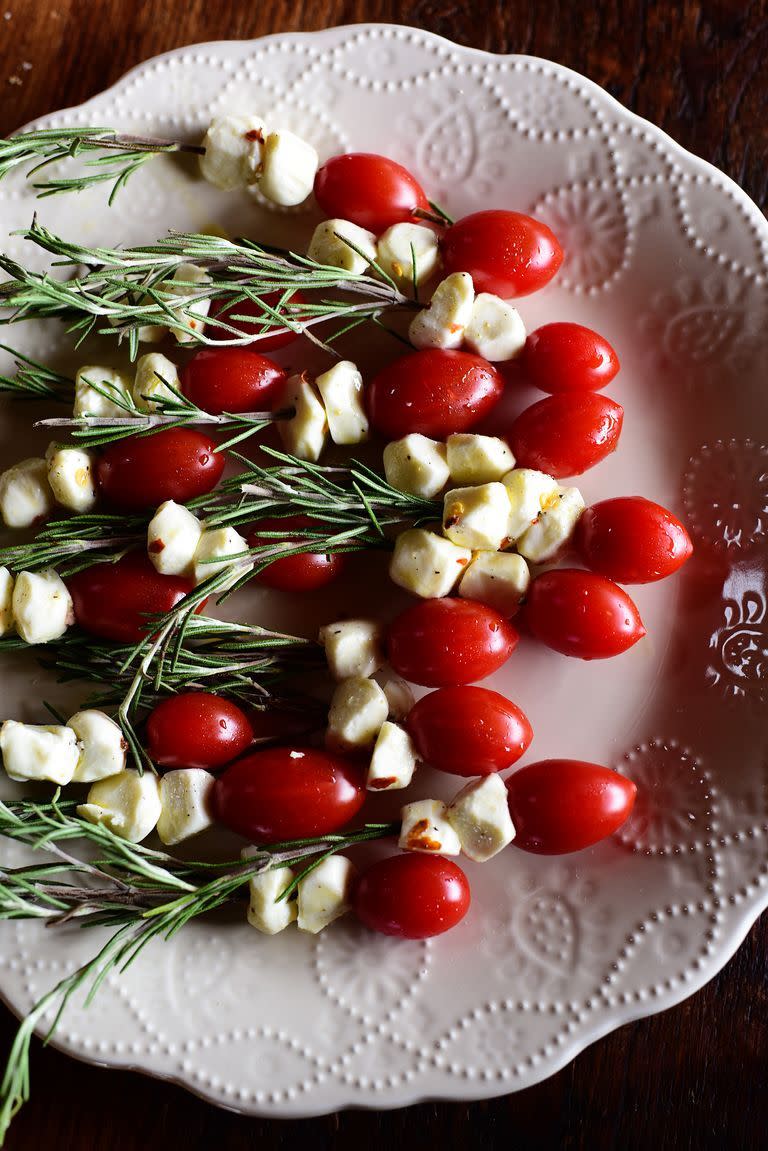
305	434
289	166
477	517
427	564
474	459
173	537
529	493
265	913
71	477
25	494
42	606
329	246
554	527
36	752
425	828
341	390
6	601
153	373
234	147
93	387
479	815
407	252
495	330
442	323
324	894
499	579
127	804
417	465
393	761
185	800
358	709
353	647
102	746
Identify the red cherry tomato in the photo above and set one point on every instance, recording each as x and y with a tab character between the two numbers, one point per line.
582	614
413	896
568	358
286	793
371	191
303	572
197	729
632	540
561	805
254	326
506	253
137	474
567	434
231	380
114	601
468	730
449	642
433	392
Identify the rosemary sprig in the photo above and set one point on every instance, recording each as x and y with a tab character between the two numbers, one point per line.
34	381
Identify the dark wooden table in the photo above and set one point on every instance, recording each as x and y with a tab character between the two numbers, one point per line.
693	1077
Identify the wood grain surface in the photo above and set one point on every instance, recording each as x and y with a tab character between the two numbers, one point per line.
693	1077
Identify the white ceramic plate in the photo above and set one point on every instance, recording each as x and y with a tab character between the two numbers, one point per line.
669	259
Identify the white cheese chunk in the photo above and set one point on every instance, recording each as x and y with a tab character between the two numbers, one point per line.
71	477
193	319
353	647
93	380
554	527
153	372
185	799
173	537
6	601
264	912
477	517
324	894
358	709
289	166
479	815
474	459
499	579
234	148
341	390
102	746
417	465
25	493
529	493
495	330
394	759
442	323
427	564
398	692
42	606
408	251
38	752
425	828
127	804
329	246
305	434
217	550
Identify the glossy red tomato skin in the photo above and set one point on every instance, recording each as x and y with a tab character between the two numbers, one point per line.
307	571
138	474
412	896
468	730
197	729
112	601
231	380
370	190
567	434
286	793
582	614
506	253
631	540
449	642
565	357
564	805
278	338
433	392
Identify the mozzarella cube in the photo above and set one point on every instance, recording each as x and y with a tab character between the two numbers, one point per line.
477	517
499	579
554	527
91	402
183	284
427	564
25	493
394	759
442	323
234	148
329	246
417	465
408	252
358	709
289	166
127	804
341	390
42	606
495	330
70	474
353	647
398	692
216	551
479	815
101	743
38	752
476	459
264	912
529	492
6	601
185	800
425	828
173	537
306	432
324	894
154	372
